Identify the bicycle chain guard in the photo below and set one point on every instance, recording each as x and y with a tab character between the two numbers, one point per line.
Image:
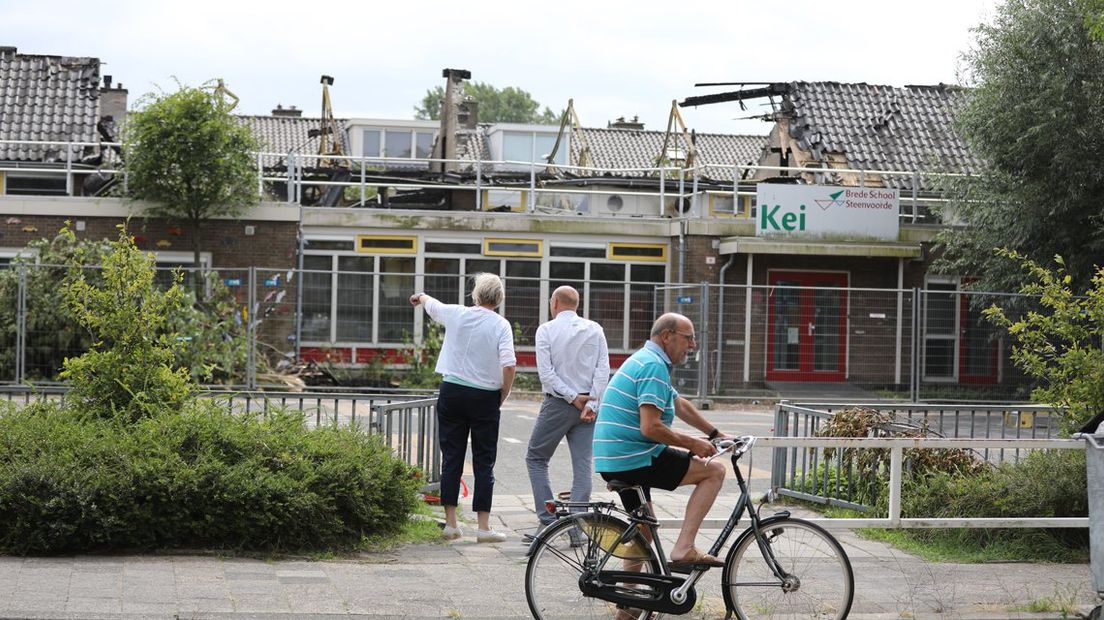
653	592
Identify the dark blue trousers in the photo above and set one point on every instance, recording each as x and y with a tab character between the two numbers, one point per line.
464	411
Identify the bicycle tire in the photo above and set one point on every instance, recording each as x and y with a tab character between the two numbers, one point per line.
824	586
552	575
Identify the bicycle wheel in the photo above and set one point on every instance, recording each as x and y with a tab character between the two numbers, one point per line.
819	581
552	576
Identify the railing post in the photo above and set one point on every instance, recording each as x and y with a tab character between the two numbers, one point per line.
532	187
703	338
662	189
260	175
251	333
917	337
915	189
363	184
21	326
68	168
895	458
478	185
694	195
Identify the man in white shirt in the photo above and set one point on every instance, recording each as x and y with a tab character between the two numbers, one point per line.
573	364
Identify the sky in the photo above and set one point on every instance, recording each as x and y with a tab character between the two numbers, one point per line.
615	59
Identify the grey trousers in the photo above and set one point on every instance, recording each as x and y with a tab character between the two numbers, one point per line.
558	419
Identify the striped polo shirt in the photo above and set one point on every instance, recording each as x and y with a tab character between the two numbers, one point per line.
644	378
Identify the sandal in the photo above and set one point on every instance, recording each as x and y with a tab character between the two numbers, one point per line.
696	558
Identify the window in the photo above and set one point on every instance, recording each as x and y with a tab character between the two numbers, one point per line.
354	298
448	247
607	299
531	146
512	247
387	244
523	298
642	307
577	252
35	184
317	290
322	244
396	283
398	143
638	251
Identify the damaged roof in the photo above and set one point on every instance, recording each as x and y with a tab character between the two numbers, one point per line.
291	134
874	127
632	148
47	98
638	148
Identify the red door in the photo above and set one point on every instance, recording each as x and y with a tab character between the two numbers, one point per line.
807	326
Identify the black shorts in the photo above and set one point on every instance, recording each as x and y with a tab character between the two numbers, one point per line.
667	470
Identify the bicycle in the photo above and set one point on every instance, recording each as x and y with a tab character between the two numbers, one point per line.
780	566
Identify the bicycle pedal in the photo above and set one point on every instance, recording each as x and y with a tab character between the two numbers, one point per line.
686	569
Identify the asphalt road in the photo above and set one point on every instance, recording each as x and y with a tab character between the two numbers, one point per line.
518	417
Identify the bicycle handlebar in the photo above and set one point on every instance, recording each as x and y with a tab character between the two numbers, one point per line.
737	445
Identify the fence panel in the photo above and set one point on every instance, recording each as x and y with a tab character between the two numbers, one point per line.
834	477
692	301
50	335
12	283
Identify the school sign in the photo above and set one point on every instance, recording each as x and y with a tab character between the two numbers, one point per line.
821	211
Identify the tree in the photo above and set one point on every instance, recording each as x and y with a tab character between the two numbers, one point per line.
188	156
1035	116
509	105
1059	341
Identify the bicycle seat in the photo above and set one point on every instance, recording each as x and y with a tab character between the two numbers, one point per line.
620	485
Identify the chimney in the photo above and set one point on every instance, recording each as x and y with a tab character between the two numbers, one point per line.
288	112
7	51
621	123
467	113
113	101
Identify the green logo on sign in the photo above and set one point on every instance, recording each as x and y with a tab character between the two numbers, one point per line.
771	220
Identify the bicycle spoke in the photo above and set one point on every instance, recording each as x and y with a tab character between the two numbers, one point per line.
817	583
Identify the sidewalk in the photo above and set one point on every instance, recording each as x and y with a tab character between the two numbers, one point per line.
467	580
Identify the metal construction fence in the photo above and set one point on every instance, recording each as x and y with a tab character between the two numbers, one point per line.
828	475
405	422
915	344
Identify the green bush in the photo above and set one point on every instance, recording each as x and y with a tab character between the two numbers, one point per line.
195	479
1044	484
133	459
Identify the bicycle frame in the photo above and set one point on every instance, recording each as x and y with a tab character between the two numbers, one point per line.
642	518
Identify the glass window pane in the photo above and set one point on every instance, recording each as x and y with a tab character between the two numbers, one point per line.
396	317
442	281
544	149
354	298
441	247
371	143
642	309
572	274
787	326
517	146
317	286
523	298
577	252
397	144
827	315
941	310
607	301
473	266
424	146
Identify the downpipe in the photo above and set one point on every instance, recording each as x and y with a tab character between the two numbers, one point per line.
720	321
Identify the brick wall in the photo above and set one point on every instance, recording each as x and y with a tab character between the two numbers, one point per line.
273	244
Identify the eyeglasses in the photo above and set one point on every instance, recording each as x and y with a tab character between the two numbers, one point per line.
688	337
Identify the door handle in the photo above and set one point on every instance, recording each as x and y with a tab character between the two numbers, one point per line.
812	328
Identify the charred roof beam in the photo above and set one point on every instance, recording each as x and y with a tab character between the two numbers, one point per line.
769	90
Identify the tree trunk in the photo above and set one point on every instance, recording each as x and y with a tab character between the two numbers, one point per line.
199	276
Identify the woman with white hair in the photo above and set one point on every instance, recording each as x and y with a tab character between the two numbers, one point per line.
477	362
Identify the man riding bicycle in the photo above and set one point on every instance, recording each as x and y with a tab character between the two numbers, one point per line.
634	441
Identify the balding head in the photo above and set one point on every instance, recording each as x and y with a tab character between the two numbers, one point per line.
670	322
564	298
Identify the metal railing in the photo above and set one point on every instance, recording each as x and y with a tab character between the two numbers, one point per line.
996	434
410	429
407	423
691	185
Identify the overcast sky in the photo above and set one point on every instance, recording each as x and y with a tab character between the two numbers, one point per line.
614	58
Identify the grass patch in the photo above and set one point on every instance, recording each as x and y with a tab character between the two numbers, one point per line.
966	546
419	528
